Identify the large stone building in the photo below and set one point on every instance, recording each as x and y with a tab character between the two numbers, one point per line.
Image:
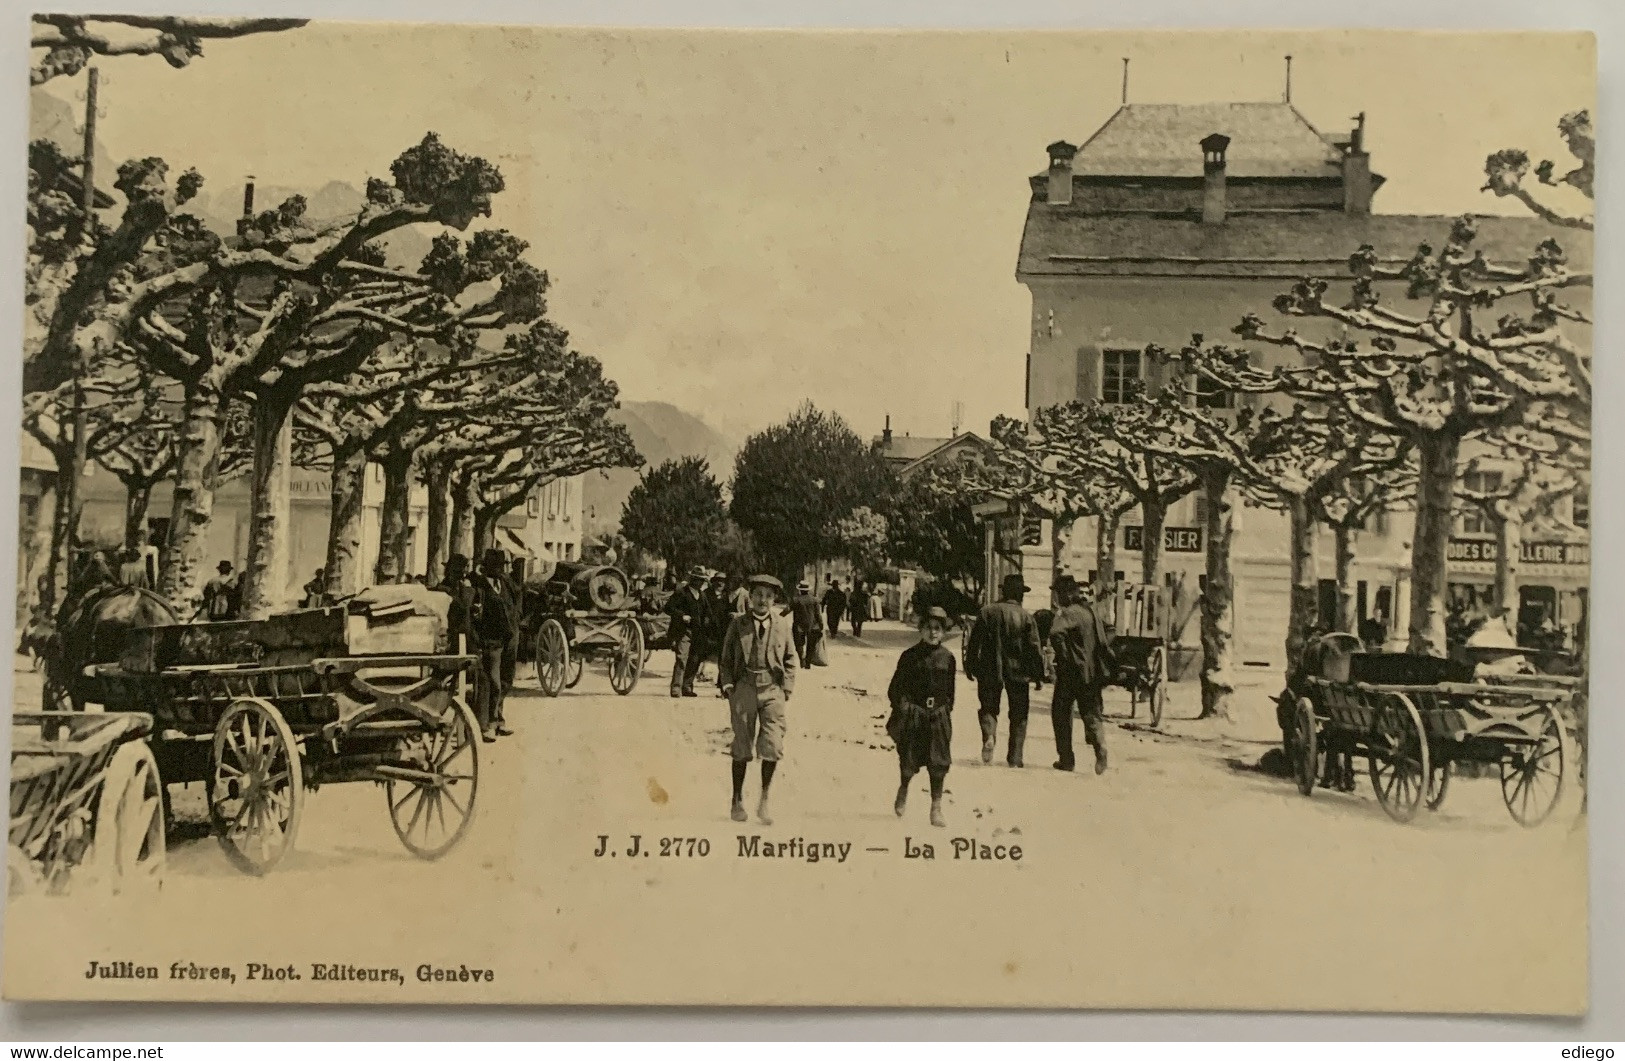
1174	219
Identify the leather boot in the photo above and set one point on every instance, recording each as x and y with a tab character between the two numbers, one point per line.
990	728
1018	743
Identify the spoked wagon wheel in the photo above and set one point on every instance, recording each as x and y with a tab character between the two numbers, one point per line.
1306	749
626	661
577	665
432	813
1532	778
1156	693
256	793
552	657
1438	784
128	850
1398	757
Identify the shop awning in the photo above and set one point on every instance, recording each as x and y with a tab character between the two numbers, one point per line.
515	545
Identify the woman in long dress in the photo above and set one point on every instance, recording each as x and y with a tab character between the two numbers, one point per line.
922	701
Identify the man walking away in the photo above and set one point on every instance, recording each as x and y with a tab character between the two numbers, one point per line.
497	627
739	600
857	607
220	595
1084	663
686	608
834	605
1003	657
807	624
757	675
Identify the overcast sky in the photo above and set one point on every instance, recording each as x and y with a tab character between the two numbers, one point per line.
735	222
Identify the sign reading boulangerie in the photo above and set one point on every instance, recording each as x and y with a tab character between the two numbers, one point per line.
610	514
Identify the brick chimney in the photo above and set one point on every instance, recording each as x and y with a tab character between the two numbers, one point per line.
248	206
885	435
1213	148
1357	186
1060	172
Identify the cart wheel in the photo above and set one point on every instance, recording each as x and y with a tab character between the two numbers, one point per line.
1156	693
626	663
256	792
431	815
1532	784
577	665
1438	784
1398	757
128	850
1305	747
552	657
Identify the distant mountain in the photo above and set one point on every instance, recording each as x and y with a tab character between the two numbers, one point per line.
220	205
661	432
58	121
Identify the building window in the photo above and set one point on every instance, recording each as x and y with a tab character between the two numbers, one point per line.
1199	511
1474	519
1582	509
1121	376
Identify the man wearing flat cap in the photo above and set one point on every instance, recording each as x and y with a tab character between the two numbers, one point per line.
687	610
1003	657
1084	663
757	674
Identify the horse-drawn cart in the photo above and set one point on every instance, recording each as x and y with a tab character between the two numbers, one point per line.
1413	717
1140	619
585	613
265	711
86	802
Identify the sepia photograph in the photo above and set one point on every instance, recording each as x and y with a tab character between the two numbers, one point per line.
991	518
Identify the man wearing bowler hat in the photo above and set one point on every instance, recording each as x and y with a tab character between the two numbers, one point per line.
1003	657
1084	663
757	674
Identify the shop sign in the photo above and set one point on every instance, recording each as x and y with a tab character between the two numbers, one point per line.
1174	539
1479	550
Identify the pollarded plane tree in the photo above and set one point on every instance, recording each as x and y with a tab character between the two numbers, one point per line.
1349	507
1515	476
63	44
1021	465
292	304
1506	172
1433	380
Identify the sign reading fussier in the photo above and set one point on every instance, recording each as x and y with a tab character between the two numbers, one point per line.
1174	539
1478	550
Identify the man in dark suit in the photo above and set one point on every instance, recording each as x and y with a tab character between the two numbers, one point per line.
1002	658
808	624
688	612
1084	663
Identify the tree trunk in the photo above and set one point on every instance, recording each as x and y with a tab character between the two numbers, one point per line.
197	455
1060	534
1152	516
393	520
437	480
1508	554
1435	496
59	561
485	530
1344	535
137	500
1106	525
38	573
1305	602
267	569
341	574
462	515
1218	598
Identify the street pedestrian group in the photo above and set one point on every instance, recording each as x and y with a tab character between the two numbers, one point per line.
762	645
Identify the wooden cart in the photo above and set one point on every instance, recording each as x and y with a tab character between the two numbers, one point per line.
1413	717
86	803
301	711
1140	619
581	614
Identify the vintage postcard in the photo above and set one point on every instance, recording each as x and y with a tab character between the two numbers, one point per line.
977	519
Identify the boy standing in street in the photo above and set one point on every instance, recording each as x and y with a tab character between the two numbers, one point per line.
757	674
